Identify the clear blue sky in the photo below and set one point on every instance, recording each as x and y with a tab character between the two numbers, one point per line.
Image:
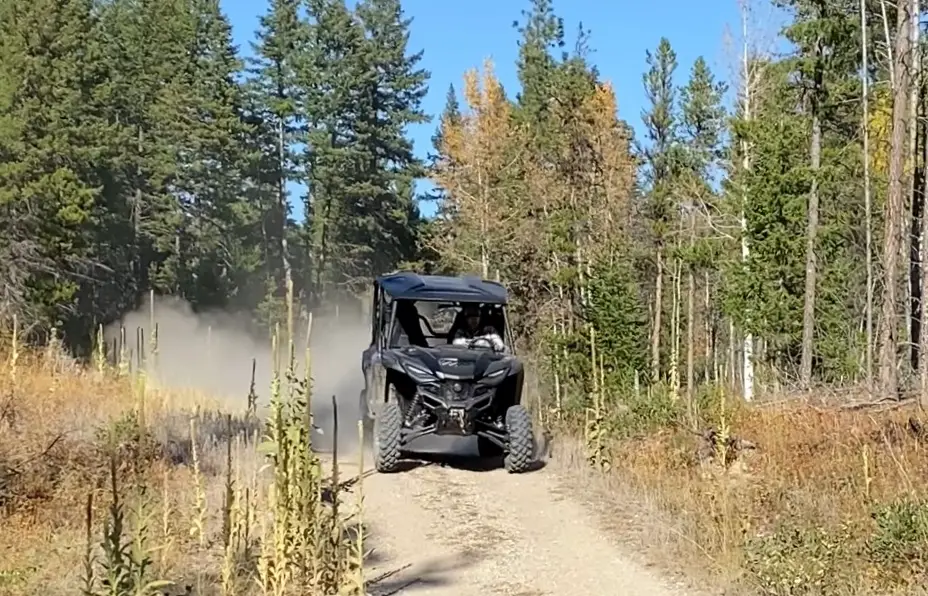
457	35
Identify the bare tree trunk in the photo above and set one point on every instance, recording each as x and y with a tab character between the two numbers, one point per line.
923	329
894	206
914	213
732	355
808	307
484	228
690	320
889	45
656	320
709	340
918	89
868	207
675	332
282	205
747	346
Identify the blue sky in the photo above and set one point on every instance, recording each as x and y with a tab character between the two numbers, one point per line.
457	35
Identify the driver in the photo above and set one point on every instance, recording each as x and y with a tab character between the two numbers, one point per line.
472	330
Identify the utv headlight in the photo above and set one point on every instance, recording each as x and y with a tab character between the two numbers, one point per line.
494	378
419	373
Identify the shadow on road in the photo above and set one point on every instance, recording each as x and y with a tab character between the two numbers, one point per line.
431	574
397	577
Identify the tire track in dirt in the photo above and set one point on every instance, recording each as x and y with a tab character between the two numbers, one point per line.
463	530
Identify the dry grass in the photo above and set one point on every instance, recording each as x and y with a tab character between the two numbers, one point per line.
112	485
831	502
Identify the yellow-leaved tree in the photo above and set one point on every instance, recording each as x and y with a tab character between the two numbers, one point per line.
479	153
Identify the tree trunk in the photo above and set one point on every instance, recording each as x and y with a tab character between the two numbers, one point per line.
690	320
916	272
894	207
889	45
675	332
708	330
656	320
915	213
923	258
808	306
868	207
747	346
282	205
732	355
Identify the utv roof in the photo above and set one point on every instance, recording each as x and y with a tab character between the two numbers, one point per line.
404	285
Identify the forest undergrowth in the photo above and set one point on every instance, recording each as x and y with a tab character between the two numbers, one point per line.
816	495
111	483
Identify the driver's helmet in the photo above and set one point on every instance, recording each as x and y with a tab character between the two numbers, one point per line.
471	314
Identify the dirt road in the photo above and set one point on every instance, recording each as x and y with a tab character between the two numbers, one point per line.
450	526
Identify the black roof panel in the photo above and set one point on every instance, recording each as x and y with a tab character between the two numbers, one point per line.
405	285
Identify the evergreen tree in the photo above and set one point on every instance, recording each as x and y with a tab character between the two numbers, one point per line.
661	168
214	164
277	114
765	295
52	139
392	103
825	36
334	80
702	120
702	126
542	31
450	114
363	91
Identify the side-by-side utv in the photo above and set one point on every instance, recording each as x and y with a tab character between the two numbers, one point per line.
419	381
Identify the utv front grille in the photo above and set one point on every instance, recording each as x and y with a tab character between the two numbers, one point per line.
455	390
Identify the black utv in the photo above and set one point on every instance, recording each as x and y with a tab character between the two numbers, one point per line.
451	371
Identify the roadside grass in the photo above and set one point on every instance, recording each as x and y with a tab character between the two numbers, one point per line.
112	484
782	498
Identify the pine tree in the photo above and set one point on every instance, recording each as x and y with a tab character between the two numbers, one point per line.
542	31
825	36
451	114
765	293
149	56
702	124
277	114
392	103
334	79
52	138
212	183
660	170
450	117
363	91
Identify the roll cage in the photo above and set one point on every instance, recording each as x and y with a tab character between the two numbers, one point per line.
392	293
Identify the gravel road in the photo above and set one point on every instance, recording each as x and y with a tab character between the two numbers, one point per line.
452	525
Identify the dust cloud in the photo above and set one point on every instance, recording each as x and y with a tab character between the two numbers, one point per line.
213	352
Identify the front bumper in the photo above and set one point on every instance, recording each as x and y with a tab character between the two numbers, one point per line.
456	405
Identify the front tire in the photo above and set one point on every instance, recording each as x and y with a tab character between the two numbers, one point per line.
387	441
521	440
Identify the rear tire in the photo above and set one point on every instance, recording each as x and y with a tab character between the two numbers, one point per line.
387	438
521	440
